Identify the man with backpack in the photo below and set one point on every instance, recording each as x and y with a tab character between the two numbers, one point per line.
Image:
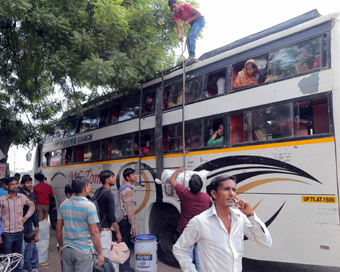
127	224
105	199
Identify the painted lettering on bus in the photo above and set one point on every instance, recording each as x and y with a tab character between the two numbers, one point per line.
93	177
69	142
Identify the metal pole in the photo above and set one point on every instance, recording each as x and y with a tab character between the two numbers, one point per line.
183	115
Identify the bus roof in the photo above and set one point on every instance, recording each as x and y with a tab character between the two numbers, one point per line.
269	31
308	16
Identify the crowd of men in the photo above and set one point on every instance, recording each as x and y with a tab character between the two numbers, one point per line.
209	233
18	217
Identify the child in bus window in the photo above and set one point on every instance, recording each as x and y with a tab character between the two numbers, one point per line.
248	76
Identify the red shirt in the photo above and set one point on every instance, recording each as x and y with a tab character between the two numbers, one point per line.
42	193
186	13
191	205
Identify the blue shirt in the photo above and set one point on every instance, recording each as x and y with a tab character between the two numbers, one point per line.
31	259
78	213
2	192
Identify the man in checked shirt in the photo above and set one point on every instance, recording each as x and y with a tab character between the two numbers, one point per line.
11	214
127	224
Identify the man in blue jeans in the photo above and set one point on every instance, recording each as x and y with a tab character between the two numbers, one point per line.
191	16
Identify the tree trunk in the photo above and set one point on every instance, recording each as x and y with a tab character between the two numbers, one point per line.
5	144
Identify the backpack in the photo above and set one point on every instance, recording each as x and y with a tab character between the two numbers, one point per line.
106	267
119	212
97	195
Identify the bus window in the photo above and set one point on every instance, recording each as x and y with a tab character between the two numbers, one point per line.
236	129
79	153
147	143
175	95
70	127
172	138
88	122
273	122
103	117
148	103
114	114
215	84
112	149
129	107
92	151
192	90
46	159
214	131
55	157
166	94
121	146
245	74
193	134
295	59
66	156
58	133
311	117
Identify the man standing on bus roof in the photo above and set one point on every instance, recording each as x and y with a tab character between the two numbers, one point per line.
107	211
42	193
191	16
219	231
79	216
127	224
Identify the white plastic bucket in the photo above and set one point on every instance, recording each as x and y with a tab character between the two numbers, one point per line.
146	253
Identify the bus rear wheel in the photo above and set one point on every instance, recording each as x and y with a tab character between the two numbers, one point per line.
164	227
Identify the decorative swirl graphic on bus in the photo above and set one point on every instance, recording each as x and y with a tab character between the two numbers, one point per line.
255	171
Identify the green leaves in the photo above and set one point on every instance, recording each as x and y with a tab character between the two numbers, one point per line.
106	44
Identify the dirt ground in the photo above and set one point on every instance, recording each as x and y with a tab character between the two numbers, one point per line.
54	261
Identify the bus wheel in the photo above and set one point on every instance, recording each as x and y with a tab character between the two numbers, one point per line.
53	212
165	228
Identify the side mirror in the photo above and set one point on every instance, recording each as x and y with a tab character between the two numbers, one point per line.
29	156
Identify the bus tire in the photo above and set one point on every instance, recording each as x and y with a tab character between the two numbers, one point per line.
165	229
53	212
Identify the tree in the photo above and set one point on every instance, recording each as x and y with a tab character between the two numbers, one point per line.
49	44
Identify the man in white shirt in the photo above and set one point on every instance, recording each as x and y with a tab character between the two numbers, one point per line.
219	231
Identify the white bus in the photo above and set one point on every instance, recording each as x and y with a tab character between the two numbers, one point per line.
279	140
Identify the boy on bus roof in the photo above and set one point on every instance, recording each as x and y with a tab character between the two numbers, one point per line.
191	16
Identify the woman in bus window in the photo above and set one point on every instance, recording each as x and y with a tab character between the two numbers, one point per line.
248	76
217	137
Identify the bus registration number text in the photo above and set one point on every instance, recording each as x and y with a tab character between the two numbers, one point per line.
319	199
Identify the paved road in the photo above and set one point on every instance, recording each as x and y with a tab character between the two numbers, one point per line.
54	262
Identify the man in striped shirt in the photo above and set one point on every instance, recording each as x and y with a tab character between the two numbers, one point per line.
79	218
11	214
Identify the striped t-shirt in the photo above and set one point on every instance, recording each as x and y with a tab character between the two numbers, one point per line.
78	213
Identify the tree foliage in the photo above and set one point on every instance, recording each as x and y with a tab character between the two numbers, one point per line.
70	45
